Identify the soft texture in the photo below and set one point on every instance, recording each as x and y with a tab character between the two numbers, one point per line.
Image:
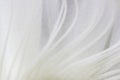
59	40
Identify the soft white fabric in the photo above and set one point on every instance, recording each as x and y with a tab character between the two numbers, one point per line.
59	40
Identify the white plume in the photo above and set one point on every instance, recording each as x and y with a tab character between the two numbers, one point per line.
59	40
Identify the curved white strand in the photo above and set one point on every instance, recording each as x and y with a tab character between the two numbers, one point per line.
58	25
